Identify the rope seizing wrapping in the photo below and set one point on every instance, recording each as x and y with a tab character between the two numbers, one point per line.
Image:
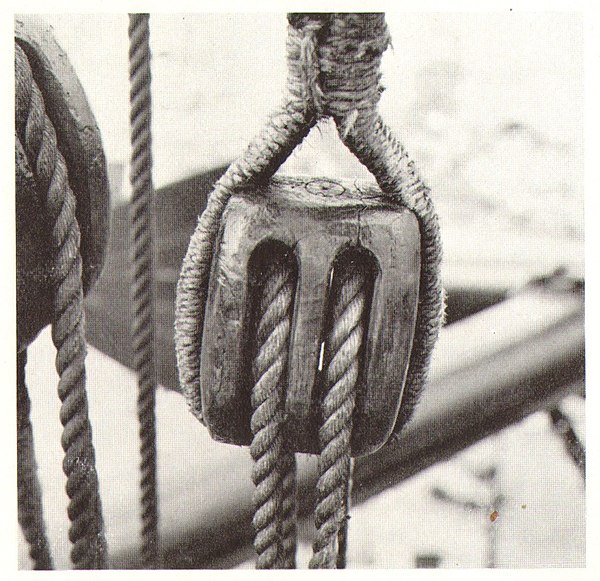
38	138
274	468
342	349
141	237
30	511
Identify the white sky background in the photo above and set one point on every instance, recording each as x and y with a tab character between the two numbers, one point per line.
216	77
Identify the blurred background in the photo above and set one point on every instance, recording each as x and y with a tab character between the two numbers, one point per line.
490	107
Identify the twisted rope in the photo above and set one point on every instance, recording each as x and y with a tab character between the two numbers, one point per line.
141	237
342	537
30	511
333	71
288	527
37	134
342	354
273	472
283	132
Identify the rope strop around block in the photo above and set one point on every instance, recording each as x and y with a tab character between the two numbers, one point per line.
333	72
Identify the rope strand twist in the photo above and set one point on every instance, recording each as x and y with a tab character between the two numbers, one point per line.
333	71
38	138
346	67
141	237
342	349
30	511
274	468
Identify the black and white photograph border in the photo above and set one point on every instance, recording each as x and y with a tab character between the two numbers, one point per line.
488	466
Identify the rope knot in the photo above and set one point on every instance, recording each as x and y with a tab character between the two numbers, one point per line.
334	65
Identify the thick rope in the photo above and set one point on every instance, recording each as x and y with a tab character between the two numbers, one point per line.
386	158
342	537
288	532
342	357
141	237
275	541
334	71
37	134
30	511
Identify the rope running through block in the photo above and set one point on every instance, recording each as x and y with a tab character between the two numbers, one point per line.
342	360
338	57
334	66
333	71
38	137
141	238
283	132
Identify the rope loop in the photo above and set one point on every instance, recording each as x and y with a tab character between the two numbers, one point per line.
337	57
36	135
333	71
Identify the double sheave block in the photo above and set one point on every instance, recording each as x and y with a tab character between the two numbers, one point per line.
316	227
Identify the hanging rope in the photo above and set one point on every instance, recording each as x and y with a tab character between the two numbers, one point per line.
342	537
289	533
333	71
141	234
342	349
38	137
274	523
30	511
264	155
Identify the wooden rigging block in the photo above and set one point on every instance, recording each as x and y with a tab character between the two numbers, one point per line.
317	227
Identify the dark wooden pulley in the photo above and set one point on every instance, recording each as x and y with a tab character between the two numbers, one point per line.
79	142
318	227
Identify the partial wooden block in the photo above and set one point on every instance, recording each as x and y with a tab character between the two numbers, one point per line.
79	141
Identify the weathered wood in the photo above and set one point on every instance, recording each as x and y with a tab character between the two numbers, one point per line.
79	141
32	265
322	223
176	209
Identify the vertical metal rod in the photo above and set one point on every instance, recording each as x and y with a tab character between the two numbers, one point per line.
143	324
